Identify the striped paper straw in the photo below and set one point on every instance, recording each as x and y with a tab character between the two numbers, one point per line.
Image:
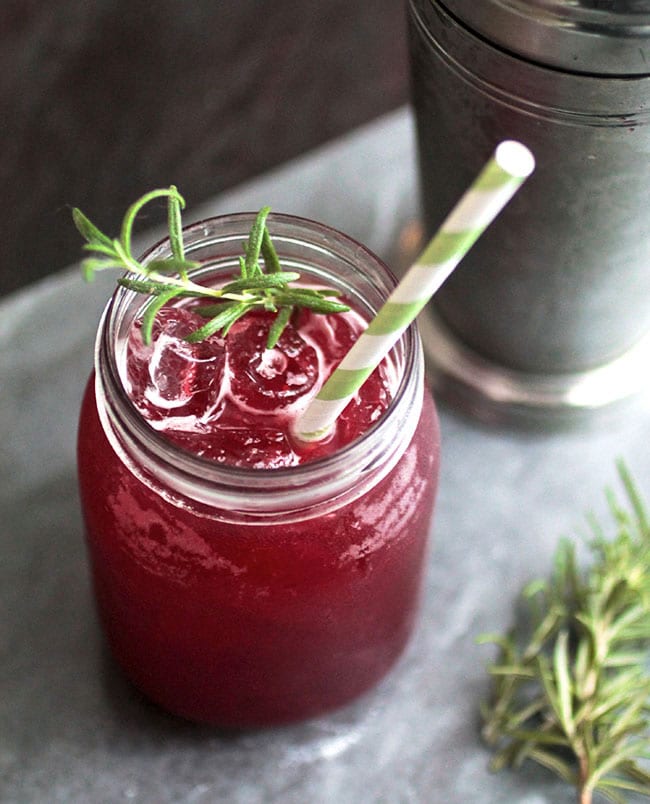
501	177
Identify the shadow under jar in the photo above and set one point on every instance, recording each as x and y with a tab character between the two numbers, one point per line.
247	597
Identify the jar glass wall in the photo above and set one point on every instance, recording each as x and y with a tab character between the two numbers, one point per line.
246	597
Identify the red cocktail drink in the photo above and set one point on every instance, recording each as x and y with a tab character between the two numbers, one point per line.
242	578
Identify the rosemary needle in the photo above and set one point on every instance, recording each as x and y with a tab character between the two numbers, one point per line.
571	687
253	289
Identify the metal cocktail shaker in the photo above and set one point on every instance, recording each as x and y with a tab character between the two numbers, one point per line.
549	313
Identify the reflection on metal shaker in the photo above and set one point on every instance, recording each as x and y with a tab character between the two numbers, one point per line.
549	314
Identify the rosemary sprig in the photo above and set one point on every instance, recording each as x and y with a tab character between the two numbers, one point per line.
254	289
571	687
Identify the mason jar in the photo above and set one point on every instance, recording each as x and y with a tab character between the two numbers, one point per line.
247	597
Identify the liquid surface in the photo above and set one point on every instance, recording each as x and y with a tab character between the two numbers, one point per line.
232	400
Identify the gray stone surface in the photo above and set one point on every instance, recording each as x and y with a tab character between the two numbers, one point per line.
72	730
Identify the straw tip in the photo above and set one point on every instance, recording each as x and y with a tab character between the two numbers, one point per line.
312	436
515	158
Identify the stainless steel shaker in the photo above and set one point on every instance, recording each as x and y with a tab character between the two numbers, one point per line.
549	313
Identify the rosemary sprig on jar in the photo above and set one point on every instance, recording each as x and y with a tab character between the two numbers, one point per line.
571	687
256	287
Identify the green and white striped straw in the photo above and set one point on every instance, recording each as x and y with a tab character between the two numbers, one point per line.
501	177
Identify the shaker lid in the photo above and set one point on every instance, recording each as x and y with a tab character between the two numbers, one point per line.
610	37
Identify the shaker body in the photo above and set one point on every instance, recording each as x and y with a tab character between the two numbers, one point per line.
560	283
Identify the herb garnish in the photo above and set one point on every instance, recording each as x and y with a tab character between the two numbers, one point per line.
571	688
253	289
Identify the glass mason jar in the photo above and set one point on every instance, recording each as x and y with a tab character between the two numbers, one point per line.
247	597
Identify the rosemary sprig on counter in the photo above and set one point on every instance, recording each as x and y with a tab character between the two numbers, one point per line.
254	288
571	687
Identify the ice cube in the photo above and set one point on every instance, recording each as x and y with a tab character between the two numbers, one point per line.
268	379
170	378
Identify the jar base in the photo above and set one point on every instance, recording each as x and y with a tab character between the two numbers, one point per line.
494	393
207	705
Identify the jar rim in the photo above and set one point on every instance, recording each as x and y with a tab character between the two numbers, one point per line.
362	456
583	37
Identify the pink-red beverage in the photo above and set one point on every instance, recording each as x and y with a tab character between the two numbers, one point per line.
242	578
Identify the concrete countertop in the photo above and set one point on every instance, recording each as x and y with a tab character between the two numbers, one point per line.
71	728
